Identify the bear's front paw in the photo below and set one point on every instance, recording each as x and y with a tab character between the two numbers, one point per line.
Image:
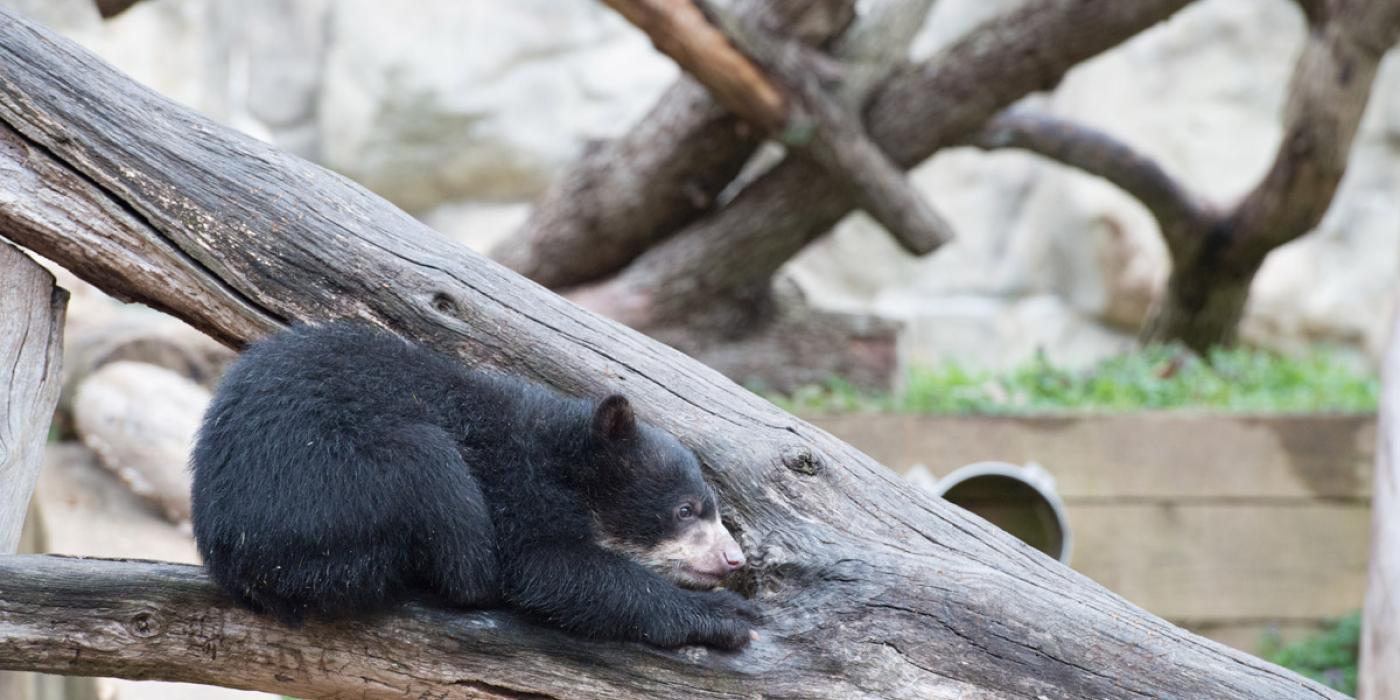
728	621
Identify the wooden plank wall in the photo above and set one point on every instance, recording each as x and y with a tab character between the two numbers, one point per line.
1229	525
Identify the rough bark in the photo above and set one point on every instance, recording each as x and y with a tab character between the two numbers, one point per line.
31	359
1379	675
871	588
787	98
1217	250
1213	264
920	109
785	343
624	195
680	30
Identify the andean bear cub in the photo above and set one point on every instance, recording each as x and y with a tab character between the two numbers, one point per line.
342	469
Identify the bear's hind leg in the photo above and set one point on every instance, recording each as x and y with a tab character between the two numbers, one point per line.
456	541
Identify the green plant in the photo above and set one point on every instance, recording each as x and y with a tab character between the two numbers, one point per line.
1154	378
1328	657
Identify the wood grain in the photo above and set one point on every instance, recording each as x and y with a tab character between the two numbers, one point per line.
31	357
870	588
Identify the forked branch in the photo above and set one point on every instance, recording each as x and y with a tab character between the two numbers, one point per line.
789	102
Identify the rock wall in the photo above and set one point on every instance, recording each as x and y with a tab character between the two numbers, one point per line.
463	111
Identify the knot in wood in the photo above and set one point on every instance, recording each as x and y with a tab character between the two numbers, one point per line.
802	460
145	624
444	304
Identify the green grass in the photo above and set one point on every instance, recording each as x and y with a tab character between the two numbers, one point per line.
1328	657
1155	378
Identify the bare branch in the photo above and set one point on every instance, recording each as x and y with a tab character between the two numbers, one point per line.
837	140
1212	269
920	109
795	108
1178	212
145	620
1327	96
624	195
680	30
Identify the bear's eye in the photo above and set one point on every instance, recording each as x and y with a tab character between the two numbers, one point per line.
685	512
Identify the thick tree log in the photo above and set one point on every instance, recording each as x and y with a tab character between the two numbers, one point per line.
1379	675
871	588
31	360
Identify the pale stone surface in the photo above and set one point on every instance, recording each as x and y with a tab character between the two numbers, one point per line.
478	98
462	110
141	421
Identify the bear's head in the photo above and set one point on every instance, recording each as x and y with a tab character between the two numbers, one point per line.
650	501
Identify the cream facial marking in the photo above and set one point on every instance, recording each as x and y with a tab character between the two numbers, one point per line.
699	558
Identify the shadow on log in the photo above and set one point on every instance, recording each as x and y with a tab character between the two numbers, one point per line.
871	588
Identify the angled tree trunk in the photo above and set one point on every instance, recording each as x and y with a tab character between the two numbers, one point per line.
871	588
31	357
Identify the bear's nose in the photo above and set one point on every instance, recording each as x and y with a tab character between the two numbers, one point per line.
734	558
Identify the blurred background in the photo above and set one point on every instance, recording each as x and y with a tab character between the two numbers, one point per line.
1216	472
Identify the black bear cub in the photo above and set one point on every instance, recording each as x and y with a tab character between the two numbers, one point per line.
341	469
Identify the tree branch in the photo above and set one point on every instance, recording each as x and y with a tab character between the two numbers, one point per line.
1327	96
1214	266
872	589
790	105
680	30
1179	214
142	620
920	109
622	196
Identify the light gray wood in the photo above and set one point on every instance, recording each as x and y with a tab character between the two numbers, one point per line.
31	357
871	588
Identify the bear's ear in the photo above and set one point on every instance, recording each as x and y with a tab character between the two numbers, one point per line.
613	420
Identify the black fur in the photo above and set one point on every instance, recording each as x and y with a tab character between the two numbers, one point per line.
340	470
